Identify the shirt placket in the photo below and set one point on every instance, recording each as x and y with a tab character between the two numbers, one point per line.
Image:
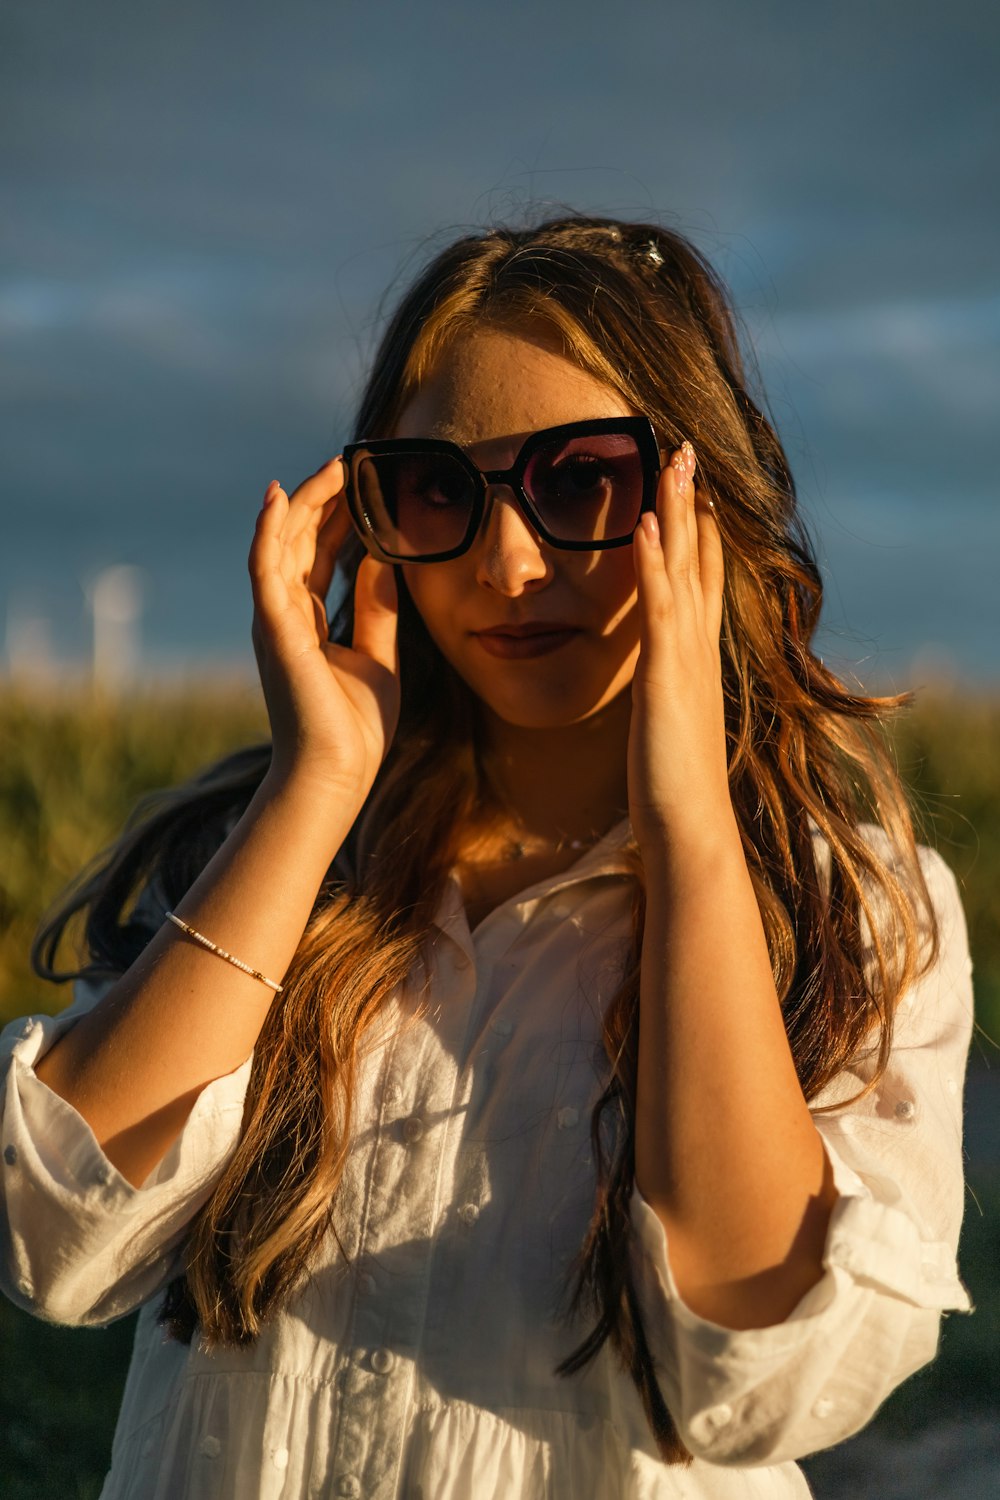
430	1072
410	1170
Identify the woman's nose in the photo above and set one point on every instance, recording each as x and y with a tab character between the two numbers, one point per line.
511	555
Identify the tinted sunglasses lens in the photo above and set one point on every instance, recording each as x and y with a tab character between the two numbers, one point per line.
416	503
587	488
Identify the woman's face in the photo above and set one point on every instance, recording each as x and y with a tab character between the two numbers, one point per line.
489	390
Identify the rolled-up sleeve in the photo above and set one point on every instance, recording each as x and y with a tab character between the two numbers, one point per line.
78	1243
767	1395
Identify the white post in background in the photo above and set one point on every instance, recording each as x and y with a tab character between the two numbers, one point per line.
115	599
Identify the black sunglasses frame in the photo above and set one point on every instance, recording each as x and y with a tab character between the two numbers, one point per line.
639	428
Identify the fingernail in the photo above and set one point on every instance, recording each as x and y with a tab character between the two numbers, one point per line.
683	464
650	526
680	472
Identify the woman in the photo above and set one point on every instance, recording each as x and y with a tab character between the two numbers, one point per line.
577	827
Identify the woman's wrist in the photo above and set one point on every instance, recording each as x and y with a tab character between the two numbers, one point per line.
312	793
692	854
307	816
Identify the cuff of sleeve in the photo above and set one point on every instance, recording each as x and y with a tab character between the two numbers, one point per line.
769	1395
651	1243
880	1245
868	1243
44	1131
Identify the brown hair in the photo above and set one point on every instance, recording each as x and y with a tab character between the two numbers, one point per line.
637	306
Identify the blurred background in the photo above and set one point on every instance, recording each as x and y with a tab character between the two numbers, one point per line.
204	204
203	208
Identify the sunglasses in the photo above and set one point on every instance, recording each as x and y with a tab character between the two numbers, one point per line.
581	486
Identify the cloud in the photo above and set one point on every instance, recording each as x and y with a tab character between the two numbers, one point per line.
205	203
897	331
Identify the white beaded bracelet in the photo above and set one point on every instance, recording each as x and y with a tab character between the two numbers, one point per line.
230	958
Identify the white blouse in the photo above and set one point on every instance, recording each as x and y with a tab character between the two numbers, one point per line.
421	1365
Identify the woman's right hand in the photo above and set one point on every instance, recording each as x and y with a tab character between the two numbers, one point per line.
333	709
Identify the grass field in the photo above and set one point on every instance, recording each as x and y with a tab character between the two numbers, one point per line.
71	769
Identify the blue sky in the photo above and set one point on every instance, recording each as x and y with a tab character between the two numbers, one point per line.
205	202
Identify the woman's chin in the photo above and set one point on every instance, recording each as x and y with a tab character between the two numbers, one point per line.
549	712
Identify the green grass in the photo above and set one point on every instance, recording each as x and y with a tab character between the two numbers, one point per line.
948	752
70	772
58	1402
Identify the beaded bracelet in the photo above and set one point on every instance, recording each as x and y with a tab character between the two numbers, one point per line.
230	958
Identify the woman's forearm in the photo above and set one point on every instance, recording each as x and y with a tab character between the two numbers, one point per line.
181	1016
726	1151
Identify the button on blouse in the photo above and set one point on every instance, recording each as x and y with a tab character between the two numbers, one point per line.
426	1364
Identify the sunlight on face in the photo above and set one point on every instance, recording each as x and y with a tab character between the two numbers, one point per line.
489	390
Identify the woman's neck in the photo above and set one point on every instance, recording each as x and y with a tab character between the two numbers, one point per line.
565	784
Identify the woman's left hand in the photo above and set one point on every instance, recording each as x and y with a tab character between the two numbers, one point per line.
743	1192
677	765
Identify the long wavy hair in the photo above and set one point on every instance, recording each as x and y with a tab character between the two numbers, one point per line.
639	308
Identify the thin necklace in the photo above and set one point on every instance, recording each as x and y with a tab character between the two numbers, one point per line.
516	848
519	845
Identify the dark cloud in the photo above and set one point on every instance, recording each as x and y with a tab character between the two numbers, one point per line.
205	203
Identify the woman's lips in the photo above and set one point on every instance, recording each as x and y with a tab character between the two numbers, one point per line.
522	641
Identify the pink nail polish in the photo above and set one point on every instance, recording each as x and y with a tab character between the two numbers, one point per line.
650	526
